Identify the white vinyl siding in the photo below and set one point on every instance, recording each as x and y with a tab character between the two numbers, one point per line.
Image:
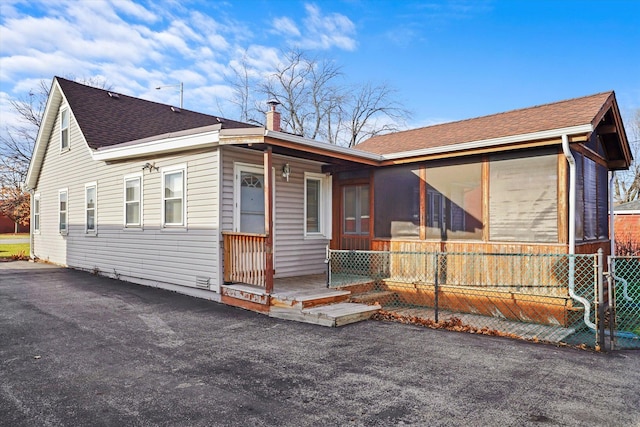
133	201
91	208
36	213
294	255
64	130
63	211
147	256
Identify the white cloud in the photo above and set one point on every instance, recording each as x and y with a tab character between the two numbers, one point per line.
326	31
286	27
136	46
318	31
133	9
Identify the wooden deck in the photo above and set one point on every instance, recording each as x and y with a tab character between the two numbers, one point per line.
303	299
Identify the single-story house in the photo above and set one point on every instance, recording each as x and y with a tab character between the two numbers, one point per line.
168	197
627	227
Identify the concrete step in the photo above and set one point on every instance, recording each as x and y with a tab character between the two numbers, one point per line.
374	297
332	315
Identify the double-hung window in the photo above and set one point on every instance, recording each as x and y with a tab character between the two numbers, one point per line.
91	208
317	205
64	130
36	213
63	211
173	197
133	201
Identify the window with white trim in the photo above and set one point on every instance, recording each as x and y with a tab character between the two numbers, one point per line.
133	201
173	197
63	211
91	208
317	205
36	213
64	130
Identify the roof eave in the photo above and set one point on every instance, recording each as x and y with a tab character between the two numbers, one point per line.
488	143
44	134
186	140
330	149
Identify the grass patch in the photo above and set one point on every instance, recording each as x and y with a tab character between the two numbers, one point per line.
14	251
10	236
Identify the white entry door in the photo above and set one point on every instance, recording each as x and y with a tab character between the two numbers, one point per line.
251	207
249	199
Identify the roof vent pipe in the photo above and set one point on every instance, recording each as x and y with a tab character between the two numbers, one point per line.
273	116
572	233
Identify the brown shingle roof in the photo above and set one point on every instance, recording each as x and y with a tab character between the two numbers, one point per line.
106	121
572	112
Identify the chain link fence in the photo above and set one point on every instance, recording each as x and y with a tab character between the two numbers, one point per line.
539	297
624	272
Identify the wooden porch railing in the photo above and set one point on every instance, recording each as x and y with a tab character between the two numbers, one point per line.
245	258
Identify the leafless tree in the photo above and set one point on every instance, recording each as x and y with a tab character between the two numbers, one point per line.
17	144
242	80
316	102
18	141
627	183
371	111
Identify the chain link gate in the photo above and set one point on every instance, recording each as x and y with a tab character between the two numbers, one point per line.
556	298
624	292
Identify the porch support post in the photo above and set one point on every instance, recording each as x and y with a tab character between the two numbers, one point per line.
485	198
423	203
268	218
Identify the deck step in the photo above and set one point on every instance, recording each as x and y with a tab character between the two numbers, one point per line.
301	299
374	297
332	315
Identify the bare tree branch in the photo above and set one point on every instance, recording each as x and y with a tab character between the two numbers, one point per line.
315	102
627	183
18	143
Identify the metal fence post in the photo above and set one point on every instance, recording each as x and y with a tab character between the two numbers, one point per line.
600	306
328	261
436	271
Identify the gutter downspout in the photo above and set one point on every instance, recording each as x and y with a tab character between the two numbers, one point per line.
612	231
572	232
31	193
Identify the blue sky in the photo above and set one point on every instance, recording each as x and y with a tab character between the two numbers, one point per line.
448	60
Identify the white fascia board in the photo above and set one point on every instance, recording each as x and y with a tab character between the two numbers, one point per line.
486	143
160	146
322	145
42	139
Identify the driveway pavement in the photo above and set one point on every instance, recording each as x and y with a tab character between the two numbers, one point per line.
80	350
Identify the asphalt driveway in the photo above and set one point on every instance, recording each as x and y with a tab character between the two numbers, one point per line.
76	349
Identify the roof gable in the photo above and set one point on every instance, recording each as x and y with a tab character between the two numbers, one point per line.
558	115
107	118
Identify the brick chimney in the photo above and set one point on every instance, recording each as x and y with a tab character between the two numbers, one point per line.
273	116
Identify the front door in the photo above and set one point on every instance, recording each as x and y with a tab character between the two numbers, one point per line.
355	217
